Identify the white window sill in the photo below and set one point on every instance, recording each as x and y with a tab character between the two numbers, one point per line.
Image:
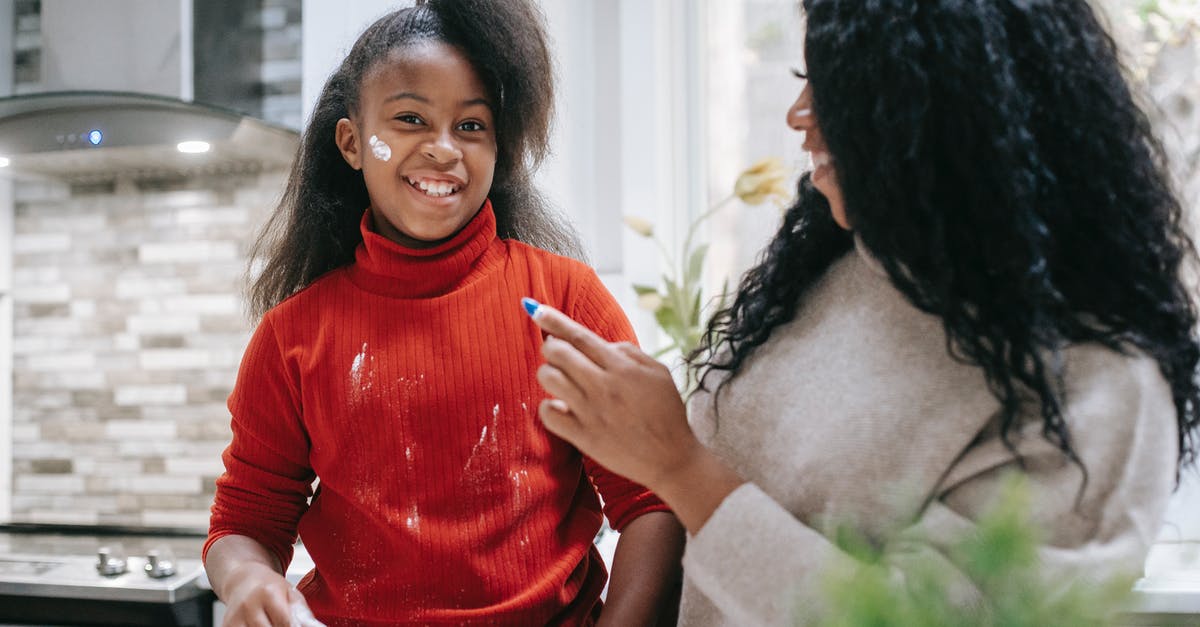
1171	585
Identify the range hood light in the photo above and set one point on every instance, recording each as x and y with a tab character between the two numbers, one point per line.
132	135
4	162
193	147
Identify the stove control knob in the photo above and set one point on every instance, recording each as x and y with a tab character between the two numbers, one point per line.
158	565
108	565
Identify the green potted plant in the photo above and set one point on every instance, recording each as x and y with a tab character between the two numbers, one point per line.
678	302
999	558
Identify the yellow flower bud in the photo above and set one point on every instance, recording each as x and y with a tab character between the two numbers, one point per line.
641	226
763	181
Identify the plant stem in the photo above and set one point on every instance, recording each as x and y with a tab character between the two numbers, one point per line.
687	241
662	248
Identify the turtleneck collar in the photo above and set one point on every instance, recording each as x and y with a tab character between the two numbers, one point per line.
385	267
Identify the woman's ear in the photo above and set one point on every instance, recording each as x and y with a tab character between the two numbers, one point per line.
346	138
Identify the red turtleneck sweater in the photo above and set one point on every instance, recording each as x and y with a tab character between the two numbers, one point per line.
405	382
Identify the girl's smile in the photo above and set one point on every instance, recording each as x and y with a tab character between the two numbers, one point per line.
424	138
434	186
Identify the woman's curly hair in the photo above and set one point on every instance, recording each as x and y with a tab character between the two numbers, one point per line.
315	228
993	158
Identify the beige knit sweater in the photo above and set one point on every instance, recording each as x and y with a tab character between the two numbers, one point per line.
855	413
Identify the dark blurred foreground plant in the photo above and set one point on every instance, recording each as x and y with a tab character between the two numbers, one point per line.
1000	559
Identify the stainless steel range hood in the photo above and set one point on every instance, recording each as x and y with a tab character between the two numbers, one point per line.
82	136
125	68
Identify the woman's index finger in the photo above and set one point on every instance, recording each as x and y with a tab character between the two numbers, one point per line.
561	326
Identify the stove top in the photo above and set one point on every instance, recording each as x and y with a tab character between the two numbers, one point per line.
64	562
70	577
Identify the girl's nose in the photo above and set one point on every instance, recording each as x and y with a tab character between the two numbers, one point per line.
441	150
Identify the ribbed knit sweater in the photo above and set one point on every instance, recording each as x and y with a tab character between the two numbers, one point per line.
406	383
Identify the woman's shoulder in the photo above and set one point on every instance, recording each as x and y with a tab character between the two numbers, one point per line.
1119	406
1122	372
1125	384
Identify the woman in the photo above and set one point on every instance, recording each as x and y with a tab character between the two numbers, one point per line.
982	275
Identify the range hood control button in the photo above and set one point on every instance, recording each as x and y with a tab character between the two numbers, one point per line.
108	565
159	566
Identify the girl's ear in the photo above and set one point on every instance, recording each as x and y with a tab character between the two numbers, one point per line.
346	138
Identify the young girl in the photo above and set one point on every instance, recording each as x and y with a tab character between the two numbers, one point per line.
393	365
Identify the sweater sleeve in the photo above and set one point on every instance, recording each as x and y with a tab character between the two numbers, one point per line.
759	564
267	480
624	500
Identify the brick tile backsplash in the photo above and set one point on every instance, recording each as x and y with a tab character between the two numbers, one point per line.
128	329
41	243
150	394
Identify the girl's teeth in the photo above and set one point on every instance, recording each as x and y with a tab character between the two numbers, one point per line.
436	189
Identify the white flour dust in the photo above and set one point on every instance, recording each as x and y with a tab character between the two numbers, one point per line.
488	445
362	373
380	149
413	521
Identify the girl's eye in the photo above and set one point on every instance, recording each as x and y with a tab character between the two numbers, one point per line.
799	74
471	125
409	118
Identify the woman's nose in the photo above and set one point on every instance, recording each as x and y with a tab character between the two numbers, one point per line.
800	114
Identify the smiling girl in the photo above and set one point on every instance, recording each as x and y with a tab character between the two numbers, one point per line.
390	365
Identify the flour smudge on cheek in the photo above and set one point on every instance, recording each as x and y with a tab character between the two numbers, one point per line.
380	149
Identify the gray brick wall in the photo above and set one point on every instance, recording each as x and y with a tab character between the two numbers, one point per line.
128	329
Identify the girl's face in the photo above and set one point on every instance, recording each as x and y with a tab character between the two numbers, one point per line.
800	117
423	137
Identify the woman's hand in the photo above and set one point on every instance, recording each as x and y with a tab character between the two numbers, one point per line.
620	407
614	402
258	596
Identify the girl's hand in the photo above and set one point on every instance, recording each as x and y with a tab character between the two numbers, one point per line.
260	597
614	402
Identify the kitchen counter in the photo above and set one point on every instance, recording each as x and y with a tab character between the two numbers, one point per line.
1169	593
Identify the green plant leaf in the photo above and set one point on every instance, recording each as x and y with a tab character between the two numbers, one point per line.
642	290
695	264
668	319
675	299
1000	559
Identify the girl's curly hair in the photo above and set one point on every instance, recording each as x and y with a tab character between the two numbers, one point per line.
315	228
994	160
